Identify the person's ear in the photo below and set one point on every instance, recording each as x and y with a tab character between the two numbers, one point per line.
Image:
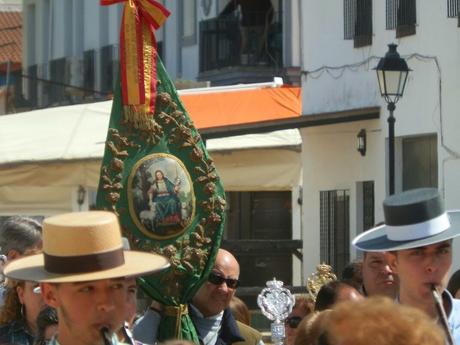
20	292
392	260
49	294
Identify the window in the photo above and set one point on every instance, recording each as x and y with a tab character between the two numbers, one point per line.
109	67
58	79
32	86
358	21
365	206
259	215
420	162
452	8
368	205
252	216
88	72
401	15
188	21
335	228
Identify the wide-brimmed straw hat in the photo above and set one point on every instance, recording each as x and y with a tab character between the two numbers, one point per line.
83	246
413	219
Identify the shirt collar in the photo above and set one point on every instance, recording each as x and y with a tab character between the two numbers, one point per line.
217	317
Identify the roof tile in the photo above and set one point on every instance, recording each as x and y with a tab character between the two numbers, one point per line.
11	36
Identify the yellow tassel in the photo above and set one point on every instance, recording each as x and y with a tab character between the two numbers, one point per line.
139	119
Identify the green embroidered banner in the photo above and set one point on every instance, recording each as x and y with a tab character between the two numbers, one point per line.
158	177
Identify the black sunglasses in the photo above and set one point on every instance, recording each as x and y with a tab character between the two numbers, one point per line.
218	280
293	321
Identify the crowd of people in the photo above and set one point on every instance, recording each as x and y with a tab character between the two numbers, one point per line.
71	283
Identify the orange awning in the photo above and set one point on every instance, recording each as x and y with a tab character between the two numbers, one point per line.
236	107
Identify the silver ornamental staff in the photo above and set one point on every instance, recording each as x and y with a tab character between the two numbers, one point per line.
276	304
442	315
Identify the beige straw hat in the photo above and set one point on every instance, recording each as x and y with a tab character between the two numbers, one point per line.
83	246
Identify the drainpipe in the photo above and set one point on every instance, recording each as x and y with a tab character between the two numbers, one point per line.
301	41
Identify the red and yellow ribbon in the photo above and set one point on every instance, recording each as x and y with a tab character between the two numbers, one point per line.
138	56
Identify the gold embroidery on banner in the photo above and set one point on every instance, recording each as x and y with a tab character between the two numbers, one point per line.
190	252
111	175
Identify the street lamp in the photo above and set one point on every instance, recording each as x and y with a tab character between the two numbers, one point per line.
392	74
361	144
81	193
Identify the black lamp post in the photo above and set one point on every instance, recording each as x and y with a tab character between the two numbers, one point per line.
392	74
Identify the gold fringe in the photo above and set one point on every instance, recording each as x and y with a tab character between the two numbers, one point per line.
138	118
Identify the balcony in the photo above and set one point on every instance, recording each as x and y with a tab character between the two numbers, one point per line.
231	53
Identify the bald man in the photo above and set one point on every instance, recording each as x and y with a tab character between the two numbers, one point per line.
209	310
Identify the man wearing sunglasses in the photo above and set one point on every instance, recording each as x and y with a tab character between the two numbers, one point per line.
209	310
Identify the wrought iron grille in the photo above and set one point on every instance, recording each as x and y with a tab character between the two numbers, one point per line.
391	14
221	43
368	205
349	18
452	8
357	15
220	39
335	228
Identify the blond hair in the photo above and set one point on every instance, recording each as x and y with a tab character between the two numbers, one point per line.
240	310
311	328
380	321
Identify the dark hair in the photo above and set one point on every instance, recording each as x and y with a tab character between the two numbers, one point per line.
47	317
353	273
454	283
327	295
19	233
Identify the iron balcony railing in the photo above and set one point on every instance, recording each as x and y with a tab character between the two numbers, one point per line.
224	42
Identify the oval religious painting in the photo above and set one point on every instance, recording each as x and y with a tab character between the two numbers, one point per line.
160	196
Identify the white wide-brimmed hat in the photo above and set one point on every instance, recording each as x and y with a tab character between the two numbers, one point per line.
415	218
83	246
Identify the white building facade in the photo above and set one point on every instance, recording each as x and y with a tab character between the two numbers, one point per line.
342	42
71	56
